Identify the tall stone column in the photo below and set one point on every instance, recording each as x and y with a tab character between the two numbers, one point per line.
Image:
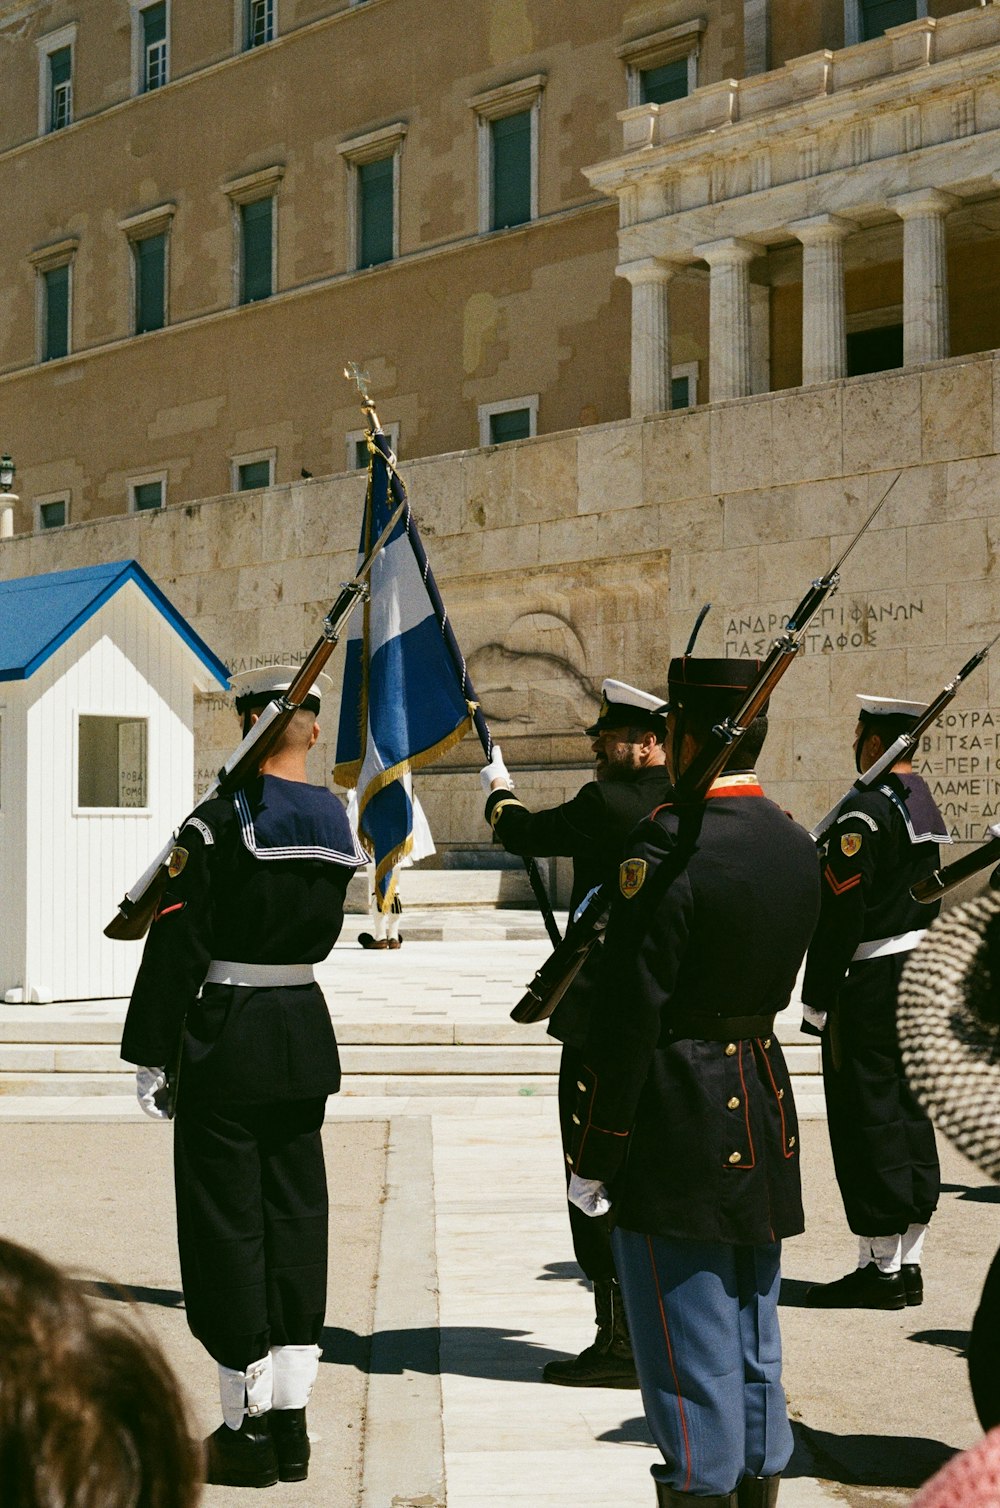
729	316
756	36
650	382
925	273
824	329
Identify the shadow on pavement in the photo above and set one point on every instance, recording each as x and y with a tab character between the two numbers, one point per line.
123	1293
865	1460
629	1432
568	1271
793	1293
987	1193
458	1351
956	1341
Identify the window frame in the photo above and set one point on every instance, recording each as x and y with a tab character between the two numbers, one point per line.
353	436
78	810
243	26
139	58
64	497
249	189
357	152
523	95
252	458
853	27
142	227
147	477
54	42
659	48
507	406
50	259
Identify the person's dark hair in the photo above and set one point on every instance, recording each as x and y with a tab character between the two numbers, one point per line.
887	728
635	733
91	1415
700	724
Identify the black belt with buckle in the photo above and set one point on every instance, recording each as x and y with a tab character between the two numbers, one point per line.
719	1028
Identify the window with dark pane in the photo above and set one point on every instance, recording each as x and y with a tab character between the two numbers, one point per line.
56	313
60	88
361	454
154	47
52	515
259	22
680	392
878	15
658	86
510	146
515	424
146	495
251	474
876	350
375	195
150	283
256	261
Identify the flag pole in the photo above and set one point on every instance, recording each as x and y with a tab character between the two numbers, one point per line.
378	439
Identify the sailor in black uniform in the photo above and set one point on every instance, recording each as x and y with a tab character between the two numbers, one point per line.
631	779
885	1158
685	1104
226	1004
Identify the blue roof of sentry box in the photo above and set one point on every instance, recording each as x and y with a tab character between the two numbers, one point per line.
39	613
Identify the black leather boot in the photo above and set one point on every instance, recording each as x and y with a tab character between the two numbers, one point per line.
608	1362
669	1497
291	1443
864	1288
243	1457
913	1282
758	1492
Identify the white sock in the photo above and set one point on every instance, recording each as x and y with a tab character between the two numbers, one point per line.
913	1243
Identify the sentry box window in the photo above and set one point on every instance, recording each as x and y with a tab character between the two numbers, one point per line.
112	762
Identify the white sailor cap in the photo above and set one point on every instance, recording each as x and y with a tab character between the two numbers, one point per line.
888	706
266	681
622	705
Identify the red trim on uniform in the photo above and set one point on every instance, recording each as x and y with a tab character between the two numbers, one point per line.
744	1167
673	1369
840	886
734	790
666	806
177	906
786	1151
590	1119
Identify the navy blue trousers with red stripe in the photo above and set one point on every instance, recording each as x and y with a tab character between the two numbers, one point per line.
703	1317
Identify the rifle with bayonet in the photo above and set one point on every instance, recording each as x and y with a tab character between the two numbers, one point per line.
562	966
138	907
902	748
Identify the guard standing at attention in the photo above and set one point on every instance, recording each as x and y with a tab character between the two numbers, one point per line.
685	1105
226	1004
630	780
885	839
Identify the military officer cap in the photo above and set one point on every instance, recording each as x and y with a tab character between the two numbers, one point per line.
888	706
712	686
255	688
624	706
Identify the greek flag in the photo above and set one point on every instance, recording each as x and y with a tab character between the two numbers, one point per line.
404	699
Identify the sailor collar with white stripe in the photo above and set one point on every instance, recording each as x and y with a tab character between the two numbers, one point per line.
292	820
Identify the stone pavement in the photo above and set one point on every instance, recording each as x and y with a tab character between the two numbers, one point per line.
448	1296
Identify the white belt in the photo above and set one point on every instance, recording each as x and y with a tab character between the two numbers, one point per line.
882	946
259	976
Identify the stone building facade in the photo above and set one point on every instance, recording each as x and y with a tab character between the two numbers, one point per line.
209	208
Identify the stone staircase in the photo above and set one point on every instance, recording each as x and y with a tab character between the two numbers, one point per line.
418	1024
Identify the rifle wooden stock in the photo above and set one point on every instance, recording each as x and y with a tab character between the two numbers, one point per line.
562	966
138	907
949	876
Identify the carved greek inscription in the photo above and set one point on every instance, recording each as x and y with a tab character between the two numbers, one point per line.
960	760
847	624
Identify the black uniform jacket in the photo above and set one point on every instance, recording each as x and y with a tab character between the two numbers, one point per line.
685	1103
264	882
590	829
885	839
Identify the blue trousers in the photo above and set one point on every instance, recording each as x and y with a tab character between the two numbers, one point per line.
703	1317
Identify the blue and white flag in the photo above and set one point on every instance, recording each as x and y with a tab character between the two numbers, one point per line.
404	696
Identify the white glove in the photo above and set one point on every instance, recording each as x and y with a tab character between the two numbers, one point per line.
589	1195
813	1021
495	770
149	1083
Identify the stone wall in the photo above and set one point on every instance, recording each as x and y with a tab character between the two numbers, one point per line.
588	553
